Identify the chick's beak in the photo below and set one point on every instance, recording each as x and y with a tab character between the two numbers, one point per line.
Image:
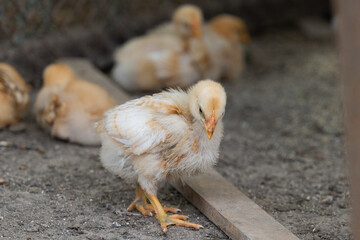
210	125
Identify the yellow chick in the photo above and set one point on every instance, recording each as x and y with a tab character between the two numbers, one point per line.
155	62
231	27
170	56
163	137
68	107
186	24
224	37
14	95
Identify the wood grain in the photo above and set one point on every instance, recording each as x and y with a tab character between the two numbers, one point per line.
227	207
231	210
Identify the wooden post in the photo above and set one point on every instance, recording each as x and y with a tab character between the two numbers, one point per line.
349	36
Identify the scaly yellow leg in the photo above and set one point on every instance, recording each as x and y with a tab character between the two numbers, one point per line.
141	204
166	220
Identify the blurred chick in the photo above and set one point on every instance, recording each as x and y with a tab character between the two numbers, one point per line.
14	95
155	62
224	37
231	27
186	24
171	55
163	137
68	107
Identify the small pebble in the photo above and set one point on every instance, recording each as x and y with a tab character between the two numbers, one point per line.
328	200
2	181
33	229
116	224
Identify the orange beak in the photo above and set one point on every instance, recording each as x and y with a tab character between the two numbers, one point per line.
196	31
210	125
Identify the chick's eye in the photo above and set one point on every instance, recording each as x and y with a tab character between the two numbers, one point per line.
200	110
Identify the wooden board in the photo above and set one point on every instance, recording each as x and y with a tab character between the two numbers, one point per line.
227	207
87	71
349	36
231	210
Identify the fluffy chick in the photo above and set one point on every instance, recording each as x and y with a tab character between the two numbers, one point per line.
155	62
186	24
224	37
163	137
231	27
173	55
14	95
68	107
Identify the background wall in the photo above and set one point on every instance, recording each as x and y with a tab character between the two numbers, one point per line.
34	33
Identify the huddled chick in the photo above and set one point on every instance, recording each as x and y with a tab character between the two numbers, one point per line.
186	24
156	61
67	107
14	95
224	37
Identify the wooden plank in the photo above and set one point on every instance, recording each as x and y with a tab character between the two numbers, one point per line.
212	194
86	70
231	210
349	36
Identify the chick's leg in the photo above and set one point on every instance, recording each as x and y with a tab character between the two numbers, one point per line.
141	204
166	220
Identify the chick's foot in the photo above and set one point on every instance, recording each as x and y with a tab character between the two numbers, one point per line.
167	220
141	207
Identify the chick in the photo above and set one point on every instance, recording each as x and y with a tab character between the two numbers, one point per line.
186	24
172	55
224	37
14	95
231	27
163	137
68	107
155	62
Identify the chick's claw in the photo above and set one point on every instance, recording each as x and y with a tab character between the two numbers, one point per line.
147	210
175	219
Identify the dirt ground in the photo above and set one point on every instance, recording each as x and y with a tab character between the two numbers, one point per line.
283	147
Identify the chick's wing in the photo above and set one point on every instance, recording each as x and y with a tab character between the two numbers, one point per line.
146	125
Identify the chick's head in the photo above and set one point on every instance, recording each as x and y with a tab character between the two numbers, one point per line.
231	27
188	20
58	74
207	101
